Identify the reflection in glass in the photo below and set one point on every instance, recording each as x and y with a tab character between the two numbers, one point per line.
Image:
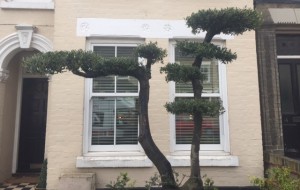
286	91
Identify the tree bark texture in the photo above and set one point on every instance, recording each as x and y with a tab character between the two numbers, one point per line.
195	180
159	160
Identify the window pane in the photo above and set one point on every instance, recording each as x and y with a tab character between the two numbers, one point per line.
183	60
104	84
185	125
127	84
127	121
103	119
209	68
114	119
125	51
211	81
105	51
288	44
286	91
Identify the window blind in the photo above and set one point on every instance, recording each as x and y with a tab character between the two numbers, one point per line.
184	123
210	70
114	121
114	114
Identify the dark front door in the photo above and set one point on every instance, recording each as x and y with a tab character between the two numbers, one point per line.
289	77
33	124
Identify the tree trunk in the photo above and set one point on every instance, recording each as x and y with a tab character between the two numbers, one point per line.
195	182
159	160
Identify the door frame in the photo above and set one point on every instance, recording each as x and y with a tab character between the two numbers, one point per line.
21	76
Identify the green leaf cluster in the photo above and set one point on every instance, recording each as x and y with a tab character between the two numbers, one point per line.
122	182
228	21
181	73
279	178
84	63
43	176
201	50
151	52
90	65
191	106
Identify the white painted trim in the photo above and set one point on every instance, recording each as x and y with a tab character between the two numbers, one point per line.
288	57
113	162
225	141
4	74
10	46
87	132
26	5
143	28
221	160
25	35
86	111
17	122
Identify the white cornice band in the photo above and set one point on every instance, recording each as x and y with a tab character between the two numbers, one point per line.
140	28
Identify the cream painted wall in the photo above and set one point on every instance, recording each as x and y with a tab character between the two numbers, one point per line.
8	128
66	93
43	20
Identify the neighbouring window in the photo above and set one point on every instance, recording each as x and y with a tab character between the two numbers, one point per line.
212	127
113	106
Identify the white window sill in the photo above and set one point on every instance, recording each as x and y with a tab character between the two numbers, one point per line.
140	160
26	5
213	158
107	160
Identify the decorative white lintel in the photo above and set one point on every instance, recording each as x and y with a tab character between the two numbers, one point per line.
25	35
27	4
4	74
142	28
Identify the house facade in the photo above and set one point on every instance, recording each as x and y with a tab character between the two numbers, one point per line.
279	80
90	126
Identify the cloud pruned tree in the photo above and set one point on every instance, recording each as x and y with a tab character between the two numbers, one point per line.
232	21
91	65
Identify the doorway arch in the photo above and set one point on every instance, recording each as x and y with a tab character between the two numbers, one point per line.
10	46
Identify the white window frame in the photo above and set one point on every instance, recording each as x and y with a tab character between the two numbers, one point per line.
102	158
223	147
27	4
90	95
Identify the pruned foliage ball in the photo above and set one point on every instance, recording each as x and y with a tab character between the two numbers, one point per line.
181	73
191	106
228	21
201	50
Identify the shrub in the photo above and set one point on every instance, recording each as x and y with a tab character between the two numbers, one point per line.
278	178
121	182
155	181
43	176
